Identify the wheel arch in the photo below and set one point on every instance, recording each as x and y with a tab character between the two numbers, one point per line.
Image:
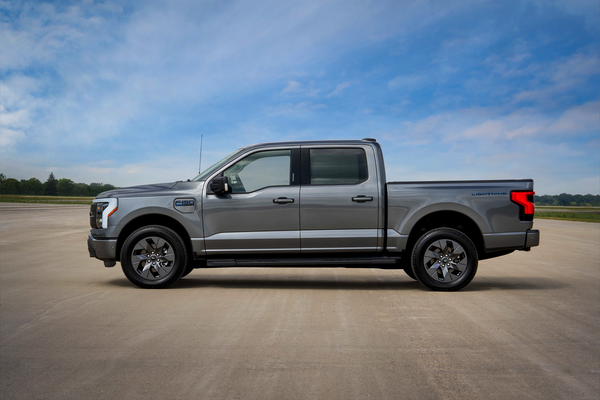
153	219
447	219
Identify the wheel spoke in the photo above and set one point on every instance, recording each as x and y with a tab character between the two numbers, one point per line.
167	258
164	270
444	272
457	252
150	245
433	270
160	244
137	259
146	267
146	273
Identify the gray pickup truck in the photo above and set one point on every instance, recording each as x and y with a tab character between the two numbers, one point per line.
316	203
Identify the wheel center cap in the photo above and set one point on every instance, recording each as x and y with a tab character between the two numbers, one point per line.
445	260
153	258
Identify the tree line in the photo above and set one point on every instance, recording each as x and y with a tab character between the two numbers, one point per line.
52	187
565	199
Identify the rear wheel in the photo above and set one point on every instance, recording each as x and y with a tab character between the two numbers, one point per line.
154	257
444	259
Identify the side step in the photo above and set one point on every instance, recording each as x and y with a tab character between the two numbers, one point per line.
301	261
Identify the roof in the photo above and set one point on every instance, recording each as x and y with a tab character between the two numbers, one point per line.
313	142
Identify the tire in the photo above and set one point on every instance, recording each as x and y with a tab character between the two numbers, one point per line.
407	266
409	272
187	271
444	259
154	257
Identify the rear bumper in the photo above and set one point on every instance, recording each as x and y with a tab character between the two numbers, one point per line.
532	239
102	249
511	240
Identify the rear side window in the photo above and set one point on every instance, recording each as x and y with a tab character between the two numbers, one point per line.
337	166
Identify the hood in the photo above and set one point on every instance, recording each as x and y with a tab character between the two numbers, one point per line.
157	189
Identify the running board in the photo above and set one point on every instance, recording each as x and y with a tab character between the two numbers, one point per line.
292	262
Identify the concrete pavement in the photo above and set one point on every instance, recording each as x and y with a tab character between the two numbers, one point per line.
527	327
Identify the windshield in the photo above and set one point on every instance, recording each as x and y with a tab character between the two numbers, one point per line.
204	174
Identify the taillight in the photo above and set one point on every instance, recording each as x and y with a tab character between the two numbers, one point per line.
525	202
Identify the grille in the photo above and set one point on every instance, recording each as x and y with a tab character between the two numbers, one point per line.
93	208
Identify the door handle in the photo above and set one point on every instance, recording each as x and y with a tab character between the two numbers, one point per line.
283	200
362	198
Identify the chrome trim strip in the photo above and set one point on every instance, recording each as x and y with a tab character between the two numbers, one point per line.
275	250
264	235
338	233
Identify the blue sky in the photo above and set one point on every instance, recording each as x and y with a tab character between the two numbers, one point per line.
120	92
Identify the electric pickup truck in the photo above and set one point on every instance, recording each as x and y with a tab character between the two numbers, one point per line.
311	203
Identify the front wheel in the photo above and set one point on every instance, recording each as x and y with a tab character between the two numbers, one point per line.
444	259
154	257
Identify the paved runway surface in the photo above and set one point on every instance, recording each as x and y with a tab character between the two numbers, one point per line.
527	327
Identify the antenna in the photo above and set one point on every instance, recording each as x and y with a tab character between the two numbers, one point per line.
200	166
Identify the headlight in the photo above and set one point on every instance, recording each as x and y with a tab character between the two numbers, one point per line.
100	210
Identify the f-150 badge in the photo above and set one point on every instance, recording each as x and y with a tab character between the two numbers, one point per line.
185	205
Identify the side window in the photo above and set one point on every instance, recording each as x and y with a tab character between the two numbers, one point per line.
259	170
337	166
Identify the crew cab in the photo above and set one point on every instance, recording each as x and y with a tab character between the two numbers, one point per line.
311	203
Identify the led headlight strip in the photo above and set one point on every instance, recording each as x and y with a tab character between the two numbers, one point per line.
108	210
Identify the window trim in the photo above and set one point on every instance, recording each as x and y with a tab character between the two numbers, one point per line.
305	165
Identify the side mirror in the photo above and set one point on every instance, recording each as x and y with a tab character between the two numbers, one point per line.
220	185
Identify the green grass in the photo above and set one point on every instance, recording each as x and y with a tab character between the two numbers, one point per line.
13	198
568	208
568	216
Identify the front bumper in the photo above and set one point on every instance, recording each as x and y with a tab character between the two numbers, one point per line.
102	249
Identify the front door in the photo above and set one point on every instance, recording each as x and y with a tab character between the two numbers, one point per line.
261	214
339	210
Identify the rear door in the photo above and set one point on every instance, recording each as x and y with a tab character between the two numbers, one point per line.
261	215
339	208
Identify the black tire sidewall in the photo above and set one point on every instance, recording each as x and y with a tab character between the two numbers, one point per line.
180	264
187	271
418	267
406	265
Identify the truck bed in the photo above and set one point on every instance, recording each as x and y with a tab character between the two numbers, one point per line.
484	205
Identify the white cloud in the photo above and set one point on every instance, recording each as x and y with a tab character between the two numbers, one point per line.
292	87
339	88
564	76
9	138
12	127
407	82
298	110
580	119
295	87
